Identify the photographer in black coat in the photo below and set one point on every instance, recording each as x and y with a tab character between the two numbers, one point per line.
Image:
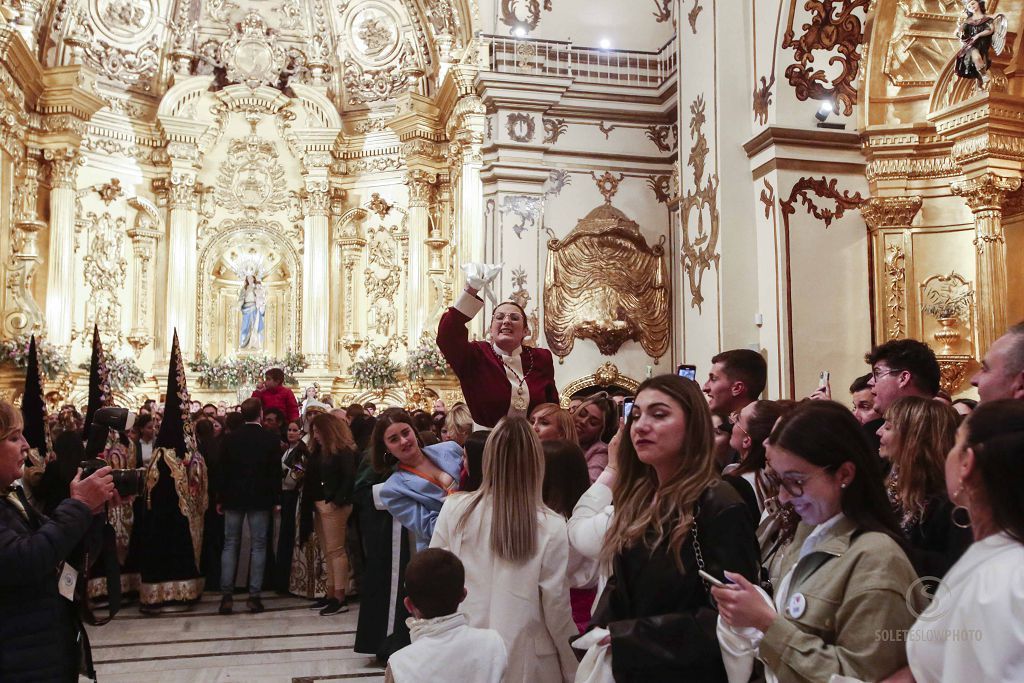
41	637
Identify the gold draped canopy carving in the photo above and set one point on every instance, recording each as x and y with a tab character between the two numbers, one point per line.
605	283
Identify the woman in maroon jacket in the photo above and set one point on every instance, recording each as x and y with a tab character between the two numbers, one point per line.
500	377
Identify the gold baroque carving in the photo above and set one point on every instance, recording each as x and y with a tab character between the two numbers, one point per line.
525	207
105	272
953	372
607	185
890	212
986	192
603	282
520	127
607	375
763	99
699	250
660	135
896	272
768	198
820	188
834	27
554	129
510	17
693	14
130	66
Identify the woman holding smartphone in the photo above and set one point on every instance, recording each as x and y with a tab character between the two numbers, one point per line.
673	516
842	578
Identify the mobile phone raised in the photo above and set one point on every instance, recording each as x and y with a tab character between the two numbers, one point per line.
823	378
687	371
627	407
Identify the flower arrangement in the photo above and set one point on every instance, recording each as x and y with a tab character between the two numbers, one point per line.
375	369
426	359
232	373
53	361
123	374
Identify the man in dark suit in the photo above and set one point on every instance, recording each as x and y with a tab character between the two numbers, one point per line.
249	487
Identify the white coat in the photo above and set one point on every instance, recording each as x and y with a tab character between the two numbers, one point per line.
448	649
527	603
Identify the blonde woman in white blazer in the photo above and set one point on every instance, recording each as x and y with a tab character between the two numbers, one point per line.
517	561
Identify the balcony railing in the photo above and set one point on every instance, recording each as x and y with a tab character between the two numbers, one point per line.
633	68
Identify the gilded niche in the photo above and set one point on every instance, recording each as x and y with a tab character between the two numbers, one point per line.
605	283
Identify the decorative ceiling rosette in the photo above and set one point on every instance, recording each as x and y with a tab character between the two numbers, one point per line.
252	55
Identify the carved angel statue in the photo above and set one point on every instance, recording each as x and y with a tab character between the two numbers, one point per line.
978	32
252	300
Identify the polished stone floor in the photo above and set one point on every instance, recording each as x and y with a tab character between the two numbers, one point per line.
285	644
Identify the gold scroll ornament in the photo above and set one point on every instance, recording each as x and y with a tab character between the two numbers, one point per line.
603	282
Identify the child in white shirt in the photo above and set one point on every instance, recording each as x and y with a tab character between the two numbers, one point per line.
444	646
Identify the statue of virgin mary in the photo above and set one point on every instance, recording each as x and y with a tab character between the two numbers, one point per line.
252	300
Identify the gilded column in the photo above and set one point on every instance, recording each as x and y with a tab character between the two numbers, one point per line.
984	195
181	260
421	201
144	236
60	281
888	220
22	313
316	208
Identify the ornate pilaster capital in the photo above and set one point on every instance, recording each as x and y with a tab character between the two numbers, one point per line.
890	212
316	202
64	165
179	190
985	192
421	187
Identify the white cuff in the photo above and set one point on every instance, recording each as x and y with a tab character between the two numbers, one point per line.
377	502
468	305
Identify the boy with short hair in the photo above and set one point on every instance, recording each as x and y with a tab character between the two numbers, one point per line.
444	646
274	395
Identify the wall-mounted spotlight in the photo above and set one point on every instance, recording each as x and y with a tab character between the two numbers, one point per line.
824	111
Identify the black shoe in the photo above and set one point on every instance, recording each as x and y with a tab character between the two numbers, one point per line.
227	605
319	604
254	604
334	606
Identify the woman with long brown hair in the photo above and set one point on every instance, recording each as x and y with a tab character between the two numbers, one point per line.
673	516
516	552
596	420
917	435
329	482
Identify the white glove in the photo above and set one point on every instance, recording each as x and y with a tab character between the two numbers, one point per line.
479	276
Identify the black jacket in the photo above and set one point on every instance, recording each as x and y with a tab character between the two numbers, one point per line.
662	622
331	479
37	626
249	473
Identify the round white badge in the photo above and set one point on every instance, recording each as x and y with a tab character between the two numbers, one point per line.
797	606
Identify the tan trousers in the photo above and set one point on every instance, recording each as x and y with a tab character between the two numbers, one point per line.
331	522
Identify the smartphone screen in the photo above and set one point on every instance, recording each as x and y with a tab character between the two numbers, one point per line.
687	371
627	407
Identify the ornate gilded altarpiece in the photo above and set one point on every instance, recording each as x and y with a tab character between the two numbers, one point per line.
945	161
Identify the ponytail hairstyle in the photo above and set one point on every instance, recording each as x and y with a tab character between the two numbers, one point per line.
995	432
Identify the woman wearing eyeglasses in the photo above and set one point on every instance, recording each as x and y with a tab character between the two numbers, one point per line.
842	580
501	377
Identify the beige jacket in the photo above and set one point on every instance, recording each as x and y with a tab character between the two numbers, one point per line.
527	603
856	608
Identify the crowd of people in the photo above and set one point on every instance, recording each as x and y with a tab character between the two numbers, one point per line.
702	533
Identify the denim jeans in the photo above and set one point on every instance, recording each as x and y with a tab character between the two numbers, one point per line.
259	527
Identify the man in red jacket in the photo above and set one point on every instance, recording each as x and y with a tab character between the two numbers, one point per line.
274	395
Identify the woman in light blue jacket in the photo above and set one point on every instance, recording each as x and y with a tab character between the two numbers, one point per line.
422	476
